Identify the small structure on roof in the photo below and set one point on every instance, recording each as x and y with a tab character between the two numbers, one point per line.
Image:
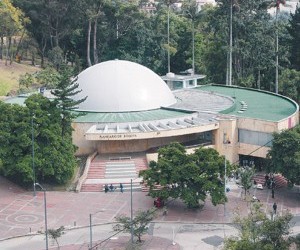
186	80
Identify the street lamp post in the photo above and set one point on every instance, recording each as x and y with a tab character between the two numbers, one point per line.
91	228
91	233
33	165
225	185
45	211
131	213
168	34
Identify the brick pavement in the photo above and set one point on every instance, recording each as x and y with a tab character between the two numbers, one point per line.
21	213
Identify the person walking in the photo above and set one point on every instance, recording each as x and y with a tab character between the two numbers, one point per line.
274	207
121	187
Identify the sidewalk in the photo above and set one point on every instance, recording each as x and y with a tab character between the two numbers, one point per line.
21	213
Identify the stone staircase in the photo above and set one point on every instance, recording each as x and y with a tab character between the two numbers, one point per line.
120	169
114	170
97	187
280	181
97	169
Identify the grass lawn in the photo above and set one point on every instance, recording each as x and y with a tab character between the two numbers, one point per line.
9	76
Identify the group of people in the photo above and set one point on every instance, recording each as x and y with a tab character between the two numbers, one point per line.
112	188
269	181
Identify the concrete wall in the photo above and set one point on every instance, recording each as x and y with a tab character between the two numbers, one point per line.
78	136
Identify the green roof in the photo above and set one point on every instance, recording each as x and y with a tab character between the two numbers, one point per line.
157	114
17	100
260	104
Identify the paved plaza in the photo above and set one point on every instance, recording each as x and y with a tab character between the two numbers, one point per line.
23	214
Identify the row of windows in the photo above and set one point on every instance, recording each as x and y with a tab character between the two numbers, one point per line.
255	138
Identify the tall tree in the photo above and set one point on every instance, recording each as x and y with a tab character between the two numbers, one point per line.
51	21
66	88
188	177
289	84
294	31
12	23
94	10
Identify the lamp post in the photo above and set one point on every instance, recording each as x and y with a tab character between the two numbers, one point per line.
168	34
277	45
225	184
33	165
91	229
91	233
45	211
131	213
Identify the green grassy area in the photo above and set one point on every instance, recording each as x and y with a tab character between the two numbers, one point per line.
9	76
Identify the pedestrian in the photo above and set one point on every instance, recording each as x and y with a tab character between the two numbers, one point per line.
274	207
105	188
266	179
273	184
273	193
111	188
121	187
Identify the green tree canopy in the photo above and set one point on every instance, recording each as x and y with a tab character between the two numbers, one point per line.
139	223
257	231
285	154
39	122
294	31
190	177
246	178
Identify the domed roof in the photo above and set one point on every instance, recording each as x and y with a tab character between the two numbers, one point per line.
122	86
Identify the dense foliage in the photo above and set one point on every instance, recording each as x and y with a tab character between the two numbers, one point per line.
285	154
190	177
88	32
258	231
39	122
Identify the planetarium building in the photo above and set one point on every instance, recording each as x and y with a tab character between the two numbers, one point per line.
131	109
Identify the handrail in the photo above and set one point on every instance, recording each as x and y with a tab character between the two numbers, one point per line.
85	172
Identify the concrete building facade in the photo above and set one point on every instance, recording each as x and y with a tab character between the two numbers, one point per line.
131	109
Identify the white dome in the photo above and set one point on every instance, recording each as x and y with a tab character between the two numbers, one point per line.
121	86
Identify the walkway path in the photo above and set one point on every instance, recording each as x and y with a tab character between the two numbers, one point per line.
21	213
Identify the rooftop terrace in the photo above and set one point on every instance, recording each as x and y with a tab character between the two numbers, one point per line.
254	103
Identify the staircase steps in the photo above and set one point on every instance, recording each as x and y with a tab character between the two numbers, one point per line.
114	170
280	181
92	187
136	186
145	188
97	170
122	169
